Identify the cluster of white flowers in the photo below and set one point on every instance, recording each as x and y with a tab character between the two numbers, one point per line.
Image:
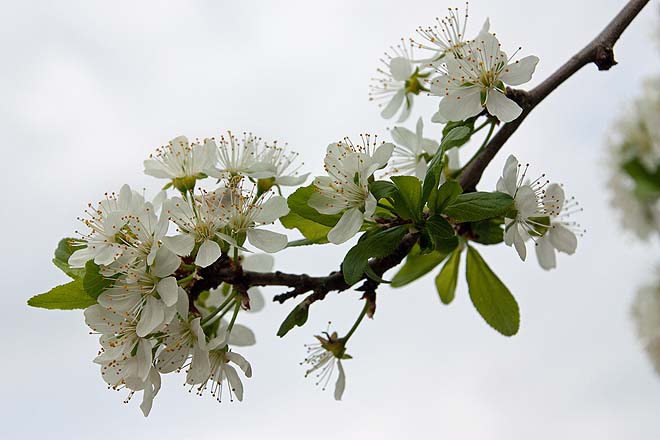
646	314
469	75
541	213
345	189
147	322
635	163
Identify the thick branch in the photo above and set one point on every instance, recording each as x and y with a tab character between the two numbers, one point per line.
599	51
224	271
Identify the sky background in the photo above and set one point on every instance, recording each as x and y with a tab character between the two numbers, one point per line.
89	89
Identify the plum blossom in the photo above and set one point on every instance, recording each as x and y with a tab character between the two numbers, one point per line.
275	166
412	151
646	315
182	162
527	203
399	81
560	235
323	357
221	371
477	78
346	188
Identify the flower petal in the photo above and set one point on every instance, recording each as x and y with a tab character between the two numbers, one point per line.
208	253
520	71
394	104
348	225
272	209
401	68
241	336
242	363
545	253
340	385
181	245
168	289
563	239
152	315
267	241
460	104
505	109
234	381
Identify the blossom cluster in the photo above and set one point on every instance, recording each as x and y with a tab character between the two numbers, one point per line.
541	213
147	320
469	75
635	163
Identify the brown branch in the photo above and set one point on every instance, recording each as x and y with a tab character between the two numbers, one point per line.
599	51
224	271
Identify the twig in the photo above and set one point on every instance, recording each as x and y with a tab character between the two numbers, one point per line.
599	51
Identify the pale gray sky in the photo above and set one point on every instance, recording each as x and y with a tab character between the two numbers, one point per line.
90	88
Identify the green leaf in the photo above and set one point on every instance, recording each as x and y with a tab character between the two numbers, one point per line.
94	282
371	245
315	233
65	248
408	198
65	297
476	206
417	265
487	232
381	188
297	317
446	194
647	183
446	280
451	139
490	296
465	135
298	204
439	228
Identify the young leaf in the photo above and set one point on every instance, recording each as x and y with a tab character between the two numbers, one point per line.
94	282
297	317
370	245
439	229
312	231
65	248
446	194
65	297
381	188
450	139
490	296
298	204
465	135
418	265
476	206
408	198
487	232
446	280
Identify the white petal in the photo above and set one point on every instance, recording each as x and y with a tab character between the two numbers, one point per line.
291	180
461	104
267	241
168	289
143	359
234	381
80	257
324	205
340	385
545	253
241	336
242	363
165	263
401	68
259	262
520	71
519	244
505	109
348	225
272	209
153	314
155	168
383	154
404	137
208	253
257	300
563	239
182	304
394	104
180	244
200	366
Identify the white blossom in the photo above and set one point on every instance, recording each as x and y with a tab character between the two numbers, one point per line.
181	162
323	358
235	157
412	151
200	221
646	314
527	202
446	36
278	165
561	233
108	224
221	371
346	188
399	81
476	79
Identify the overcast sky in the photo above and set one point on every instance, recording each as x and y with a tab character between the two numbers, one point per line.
89	89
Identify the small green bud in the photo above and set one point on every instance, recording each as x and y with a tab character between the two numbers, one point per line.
184	184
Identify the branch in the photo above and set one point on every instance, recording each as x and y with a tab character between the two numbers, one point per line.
599	51
225	271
